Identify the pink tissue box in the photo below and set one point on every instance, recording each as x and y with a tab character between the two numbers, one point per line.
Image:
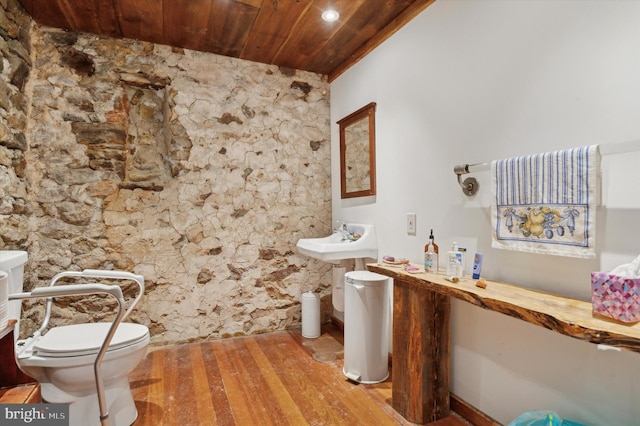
615	297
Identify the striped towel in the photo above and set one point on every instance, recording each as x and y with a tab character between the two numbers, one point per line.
545	203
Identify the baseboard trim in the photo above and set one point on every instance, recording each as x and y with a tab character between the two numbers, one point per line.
470	413
459	405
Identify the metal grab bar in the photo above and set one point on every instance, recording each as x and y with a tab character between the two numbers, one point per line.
76	290
93	273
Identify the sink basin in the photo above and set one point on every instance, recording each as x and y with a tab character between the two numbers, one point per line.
336	247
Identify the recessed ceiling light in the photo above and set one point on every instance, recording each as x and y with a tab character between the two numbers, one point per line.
330	15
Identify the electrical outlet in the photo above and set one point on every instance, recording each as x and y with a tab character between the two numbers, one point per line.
411	223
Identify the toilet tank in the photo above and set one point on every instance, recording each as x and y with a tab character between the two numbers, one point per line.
12	262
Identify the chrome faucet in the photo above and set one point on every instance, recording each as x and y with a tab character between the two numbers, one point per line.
343	229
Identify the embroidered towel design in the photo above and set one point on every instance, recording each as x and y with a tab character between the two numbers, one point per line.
545	203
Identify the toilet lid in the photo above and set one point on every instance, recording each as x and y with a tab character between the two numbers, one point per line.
86	339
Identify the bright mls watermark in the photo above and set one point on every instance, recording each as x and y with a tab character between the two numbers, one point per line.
34	414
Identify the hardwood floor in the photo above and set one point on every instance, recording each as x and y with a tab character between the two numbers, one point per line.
269	379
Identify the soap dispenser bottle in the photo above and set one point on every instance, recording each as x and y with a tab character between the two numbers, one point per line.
431	256
454	262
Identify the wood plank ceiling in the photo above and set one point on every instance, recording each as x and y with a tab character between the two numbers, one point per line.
287	33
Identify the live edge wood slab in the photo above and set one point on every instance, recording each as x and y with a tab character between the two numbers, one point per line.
421	305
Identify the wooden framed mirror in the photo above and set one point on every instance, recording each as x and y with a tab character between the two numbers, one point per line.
358	153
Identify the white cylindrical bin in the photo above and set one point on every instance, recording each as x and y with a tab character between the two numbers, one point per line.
366	327
310	315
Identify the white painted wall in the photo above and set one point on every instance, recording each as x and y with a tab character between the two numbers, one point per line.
472	81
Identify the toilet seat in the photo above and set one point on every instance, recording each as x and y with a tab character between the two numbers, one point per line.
86	339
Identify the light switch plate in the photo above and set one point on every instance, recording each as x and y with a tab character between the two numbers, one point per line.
411	223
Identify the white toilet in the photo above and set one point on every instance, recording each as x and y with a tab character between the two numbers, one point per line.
62	359
12	262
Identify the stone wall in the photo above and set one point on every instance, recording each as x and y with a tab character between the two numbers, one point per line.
198	171
15	51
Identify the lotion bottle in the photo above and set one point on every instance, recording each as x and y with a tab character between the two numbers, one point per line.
431	255
430	259
454	262
477	266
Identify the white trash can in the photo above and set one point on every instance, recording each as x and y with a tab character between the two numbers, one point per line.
310	315
366	327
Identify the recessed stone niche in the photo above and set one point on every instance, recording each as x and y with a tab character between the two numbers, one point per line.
134	145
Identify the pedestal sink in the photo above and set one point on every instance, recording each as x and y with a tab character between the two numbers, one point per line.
339	246
342	249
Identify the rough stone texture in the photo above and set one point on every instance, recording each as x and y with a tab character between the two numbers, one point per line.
15	63
198	171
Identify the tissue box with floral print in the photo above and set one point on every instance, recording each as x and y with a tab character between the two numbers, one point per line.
616	297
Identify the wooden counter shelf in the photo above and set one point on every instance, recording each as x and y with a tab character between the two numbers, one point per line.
421	304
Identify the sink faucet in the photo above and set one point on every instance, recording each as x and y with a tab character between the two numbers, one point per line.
343	229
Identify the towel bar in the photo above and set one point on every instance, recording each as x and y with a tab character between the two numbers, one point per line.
470	185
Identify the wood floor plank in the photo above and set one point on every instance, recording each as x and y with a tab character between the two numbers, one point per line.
203	401
254	380
148	389
276	387
186	394
360	401
269	379
317	402
170	379
219	397
331	383
240	401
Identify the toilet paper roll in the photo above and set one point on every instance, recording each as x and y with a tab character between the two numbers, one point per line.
337	288
310	315
4	300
